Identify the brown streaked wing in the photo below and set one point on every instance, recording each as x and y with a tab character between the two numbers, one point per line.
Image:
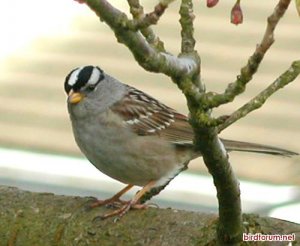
180	131
146	116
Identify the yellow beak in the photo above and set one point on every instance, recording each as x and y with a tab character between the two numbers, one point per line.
75	97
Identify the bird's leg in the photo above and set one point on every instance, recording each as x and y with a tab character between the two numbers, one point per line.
114	199
157	189
133	203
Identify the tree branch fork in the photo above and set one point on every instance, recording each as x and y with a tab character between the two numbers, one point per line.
148	50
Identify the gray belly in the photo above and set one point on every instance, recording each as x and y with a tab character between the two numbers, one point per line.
120	154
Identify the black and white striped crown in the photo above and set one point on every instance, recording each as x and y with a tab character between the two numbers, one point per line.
81	77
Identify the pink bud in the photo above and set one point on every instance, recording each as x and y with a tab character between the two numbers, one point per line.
211	3
237	14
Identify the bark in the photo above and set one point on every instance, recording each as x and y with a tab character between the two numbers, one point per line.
29	218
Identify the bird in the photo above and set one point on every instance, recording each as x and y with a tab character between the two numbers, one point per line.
131	136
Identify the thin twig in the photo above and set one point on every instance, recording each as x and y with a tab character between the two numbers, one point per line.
237	87
259	100
143	22
192	88
187	28
148	19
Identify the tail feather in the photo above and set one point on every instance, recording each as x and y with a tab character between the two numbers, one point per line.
232	145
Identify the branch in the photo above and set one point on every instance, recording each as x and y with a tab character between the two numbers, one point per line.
191	87
137	13
147	19
187	28
29	218
229	228
206	141
214	100
148	57
257	102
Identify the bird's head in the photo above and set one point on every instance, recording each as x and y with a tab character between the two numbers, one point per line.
81	82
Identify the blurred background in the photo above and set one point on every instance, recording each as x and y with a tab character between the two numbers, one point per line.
42	41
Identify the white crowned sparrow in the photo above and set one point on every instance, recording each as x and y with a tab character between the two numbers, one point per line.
130	136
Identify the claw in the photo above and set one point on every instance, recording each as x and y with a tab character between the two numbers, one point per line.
123	206
113	203
123	210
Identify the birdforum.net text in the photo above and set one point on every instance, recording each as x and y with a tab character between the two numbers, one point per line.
267	237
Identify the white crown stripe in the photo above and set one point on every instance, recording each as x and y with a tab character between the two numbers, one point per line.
95	76
74	76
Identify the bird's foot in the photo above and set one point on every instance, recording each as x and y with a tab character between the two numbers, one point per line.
122	210
114	201
125	206
110	203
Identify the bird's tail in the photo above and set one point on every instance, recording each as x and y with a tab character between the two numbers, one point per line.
232	145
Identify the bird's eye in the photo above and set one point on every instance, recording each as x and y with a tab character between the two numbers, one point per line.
91	87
